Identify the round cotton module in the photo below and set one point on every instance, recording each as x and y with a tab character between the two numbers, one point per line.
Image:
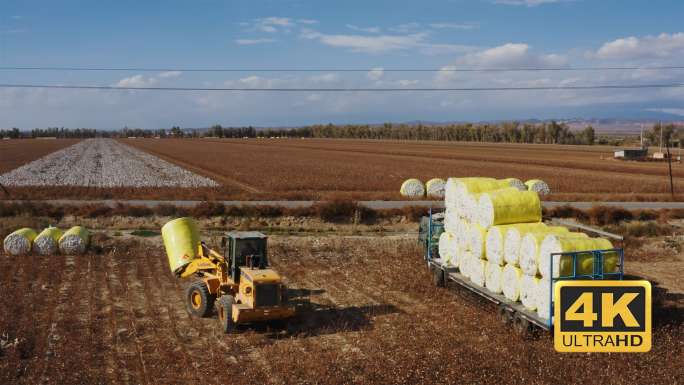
435	187
470	209
517	183
538	186
464	263
444	239
493	279
550	245
413	188
20	241
528	291
450	194
543	298
514	236
476	241
494	243
47	242
463	234
454	252
504	207
477	271
529	252
465	187
564	266
451	221
74	241
510	282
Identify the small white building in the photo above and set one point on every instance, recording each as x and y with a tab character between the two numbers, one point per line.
631	154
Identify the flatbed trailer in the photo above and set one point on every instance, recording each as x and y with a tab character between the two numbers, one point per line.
524	321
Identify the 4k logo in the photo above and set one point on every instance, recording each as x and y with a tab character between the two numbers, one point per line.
604	316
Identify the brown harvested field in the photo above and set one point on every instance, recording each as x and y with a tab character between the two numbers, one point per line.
312	169
366	313
15	153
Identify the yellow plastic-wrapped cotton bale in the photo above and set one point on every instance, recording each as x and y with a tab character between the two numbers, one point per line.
471	213
464	263
538	186
528	291
477	271
444	249
501	208
543	298
476	241
463	234
181	239
517	183
412	188
494	243
530	247
564	266
510	282
514	238
74	241
467	187
47	242
20	241
493	277
435	187
454	252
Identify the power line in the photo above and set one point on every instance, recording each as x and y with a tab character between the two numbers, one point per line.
346	89
338	70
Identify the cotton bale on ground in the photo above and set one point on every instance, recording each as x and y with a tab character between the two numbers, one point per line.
74	241
538	186
47	242
20	241
412	188
517	183
435	187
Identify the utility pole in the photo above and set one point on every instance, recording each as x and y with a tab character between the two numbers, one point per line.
661	136
642	135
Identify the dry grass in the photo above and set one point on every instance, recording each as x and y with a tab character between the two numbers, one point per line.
119	310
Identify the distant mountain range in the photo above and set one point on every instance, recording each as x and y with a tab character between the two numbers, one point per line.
618	124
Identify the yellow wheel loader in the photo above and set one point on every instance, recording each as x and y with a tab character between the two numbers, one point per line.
246	289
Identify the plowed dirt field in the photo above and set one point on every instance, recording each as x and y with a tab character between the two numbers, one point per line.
366	313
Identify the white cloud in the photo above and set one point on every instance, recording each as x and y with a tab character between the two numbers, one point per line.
664	46
512	56
315	97
570	80
307	21
371	29
135	81
451	25
673	111
268	28
446	75
529	3
376	73
384	43
256	41
15	17
327	78
651	73
172	74
445	103
281	21
355	28
405	27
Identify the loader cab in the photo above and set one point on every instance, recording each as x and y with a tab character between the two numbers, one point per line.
241	247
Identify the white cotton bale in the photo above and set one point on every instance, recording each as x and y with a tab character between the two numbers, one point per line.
543	298
473	186
551	246
412	188
493	279
74	241
517	183
494	243
564	266
538	186
463	234
20	241
435	187
47	242
450	194
531	246
454	252
505	207
476	241
510	282
528	291
514	237
477	271
444	250
470	209
464	263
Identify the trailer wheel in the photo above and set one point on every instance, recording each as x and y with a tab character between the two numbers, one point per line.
438	277
504	317
200	302
225	313
434	252
522	327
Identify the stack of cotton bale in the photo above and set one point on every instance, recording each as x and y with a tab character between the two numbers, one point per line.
414	188
50	240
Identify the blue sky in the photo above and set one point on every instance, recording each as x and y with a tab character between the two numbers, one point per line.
334	35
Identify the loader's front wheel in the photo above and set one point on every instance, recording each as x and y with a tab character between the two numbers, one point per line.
225	313
200	302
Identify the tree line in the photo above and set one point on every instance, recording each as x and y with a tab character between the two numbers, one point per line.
506	132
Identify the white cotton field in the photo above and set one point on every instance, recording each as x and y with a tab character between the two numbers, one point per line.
103	163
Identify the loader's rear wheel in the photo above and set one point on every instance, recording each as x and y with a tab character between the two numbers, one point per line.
438	277
522	327
504	317
225	313
200	302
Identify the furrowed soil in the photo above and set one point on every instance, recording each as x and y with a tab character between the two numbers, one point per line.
366	313
319	169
